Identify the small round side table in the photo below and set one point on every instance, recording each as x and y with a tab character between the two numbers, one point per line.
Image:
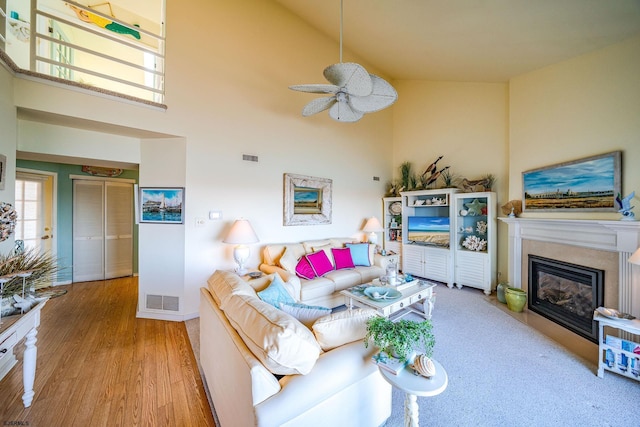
414	386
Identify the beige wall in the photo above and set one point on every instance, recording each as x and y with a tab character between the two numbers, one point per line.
8	124
585	106
467	123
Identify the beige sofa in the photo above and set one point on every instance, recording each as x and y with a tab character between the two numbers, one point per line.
322	291
264	368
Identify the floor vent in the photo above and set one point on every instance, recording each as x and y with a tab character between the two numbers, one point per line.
163	302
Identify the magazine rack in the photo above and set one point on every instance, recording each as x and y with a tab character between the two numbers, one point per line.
616	354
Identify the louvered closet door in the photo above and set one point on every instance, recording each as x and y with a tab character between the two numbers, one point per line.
119	230
88	230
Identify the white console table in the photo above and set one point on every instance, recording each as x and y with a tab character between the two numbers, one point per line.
12	330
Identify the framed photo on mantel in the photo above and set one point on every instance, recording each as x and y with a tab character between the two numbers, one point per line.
588	184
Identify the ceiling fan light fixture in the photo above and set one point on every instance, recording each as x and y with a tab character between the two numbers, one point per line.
355	91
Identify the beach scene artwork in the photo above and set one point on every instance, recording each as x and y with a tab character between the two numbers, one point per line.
587	184
428	230
307	200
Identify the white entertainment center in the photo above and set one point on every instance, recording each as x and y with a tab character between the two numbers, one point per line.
450	237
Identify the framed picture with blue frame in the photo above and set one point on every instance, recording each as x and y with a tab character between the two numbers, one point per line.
161	205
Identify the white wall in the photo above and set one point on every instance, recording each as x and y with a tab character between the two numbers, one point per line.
7	145
227	95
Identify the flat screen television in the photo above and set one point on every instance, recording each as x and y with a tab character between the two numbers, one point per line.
428	230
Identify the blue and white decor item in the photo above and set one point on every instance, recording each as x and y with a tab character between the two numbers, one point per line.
625	207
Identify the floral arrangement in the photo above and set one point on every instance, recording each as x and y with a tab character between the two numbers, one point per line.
474	243
481	227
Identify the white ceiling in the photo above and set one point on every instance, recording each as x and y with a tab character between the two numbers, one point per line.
469	40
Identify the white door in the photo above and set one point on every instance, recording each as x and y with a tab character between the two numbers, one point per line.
35	206
118	230
102	230
88	230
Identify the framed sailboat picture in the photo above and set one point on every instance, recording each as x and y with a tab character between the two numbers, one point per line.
161	205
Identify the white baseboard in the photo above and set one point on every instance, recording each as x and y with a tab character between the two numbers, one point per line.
165	316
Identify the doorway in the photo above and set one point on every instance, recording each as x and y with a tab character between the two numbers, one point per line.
35	201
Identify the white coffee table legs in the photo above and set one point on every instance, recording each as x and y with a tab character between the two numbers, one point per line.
410	410
29	367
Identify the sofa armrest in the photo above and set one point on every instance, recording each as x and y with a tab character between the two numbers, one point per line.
292	282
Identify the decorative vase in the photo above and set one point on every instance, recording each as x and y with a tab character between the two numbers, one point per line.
500	292
516	299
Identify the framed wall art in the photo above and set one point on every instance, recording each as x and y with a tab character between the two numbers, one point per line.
161	205
3	172
307	200
588	184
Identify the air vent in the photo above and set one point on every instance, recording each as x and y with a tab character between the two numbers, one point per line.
249	158
163	302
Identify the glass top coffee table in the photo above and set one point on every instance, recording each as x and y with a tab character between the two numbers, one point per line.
413	297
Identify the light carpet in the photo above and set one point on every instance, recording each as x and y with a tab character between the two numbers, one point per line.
504	373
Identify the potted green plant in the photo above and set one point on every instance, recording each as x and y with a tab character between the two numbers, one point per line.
400	338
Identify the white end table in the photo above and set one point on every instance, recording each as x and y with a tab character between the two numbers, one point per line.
414	386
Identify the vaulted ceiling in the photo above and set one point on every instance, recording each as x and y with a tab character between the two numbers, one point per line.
469	40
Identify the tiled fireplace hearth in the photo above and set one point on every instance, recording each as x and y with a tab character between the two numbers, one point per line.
598	244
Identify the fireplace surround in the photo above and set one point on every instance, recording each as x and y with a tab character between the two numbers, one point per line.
608	243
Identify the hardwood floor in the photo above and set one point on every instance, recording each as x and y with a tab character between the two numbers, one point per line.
98	365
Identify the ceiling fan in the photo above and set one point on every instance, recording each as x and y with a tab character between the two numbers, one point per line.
354	92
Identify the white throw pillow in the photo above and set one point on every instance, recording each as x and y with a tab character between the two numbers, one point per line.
306	314
342	327
290	258
283	345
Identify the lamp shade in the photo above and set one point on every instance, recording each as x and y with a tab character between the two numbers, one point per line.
635	258
372	226
241	232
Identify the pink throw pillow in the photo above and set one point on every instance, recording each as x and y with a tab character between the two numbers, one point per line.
304	269
342	257
320	262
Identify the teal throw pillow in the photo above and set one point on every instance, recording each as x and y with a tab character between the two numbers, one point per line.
360	253
276	293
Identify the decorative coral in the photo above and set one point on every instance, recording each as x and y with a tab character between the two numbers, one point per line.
474	243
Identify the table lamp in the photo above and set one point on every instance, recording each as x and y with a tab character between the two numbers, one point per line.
241	234
373	226
635	258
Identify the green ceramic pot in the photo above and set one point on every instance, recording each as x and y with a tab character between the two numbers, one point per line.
516	299
500	292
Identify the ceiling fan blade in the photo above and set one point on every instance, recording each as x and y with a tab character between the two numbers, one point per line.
382	96
342	112
350	76
315	88
318	105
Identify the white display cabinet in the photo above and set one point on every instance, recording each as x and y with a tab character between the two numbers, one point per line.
427	234
475	242
392	223
619	355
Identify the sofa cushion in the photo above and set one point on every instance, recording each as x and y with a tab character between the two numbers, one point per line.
304	269
309	245
320	263
222	284
344	278
291	256
276	293
342	258
283	344
317	288
339	328
327	251
306	314
360	253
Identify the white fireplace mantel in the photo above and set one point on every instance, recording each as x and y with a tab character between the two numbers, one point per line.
622	237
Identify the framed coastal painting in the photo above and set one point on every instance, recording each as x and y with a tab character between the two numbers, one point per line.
307	200
161	205
588	184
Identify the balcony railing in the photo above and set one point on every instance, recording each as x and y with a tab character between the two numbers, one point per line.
68	41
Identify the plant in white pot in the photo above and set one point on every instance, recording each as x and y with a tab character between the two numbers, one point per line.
400	338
